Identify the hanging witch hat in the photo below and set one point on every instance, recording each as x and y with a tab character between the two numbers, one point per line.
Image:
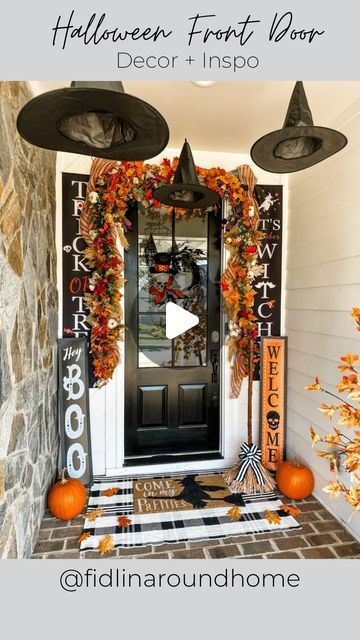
186	192
94	119
299	144
249	475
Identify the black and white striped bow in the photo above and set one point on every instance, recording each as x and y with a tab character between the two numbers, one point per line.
250	456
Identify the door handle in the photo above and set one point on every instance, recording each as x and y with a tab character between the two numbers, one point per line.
214	364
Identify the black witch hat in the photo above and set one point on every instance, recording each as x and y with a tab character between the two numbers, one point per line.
185	191
299	144
94	119
162	264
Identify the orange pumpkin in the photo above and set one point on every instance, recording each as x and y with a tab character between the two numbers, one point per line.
66	498
294	480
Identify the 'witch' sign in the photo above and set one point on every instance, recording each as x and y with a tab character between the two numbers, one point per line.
273	398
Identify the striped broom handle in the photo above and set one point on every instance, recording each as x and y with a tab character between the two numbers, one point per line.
250	384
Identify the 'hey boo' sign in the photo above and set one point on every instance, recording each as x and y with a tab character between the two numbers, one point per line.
74	408
273	398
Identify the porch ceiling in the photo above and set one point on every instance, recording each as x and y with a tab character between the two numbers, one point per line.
230	116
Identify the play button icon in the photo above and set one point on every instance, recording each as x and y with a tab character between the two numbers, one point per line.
178	320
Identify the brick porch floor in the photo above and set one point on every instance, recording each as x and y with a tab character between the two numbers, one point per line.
321	536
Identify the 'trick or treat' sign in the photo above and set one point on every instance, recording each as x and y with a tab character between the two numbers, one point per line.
74	408
273	399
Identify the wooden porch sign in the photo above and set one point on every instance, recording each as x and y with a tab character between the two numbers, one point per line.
273	401
74	409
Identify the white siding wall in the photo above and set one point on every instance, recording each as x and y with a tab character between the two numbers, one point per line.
322	285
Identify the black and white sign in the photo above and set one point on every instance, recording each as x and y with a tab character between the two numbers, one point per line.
74	409
74	269
268	286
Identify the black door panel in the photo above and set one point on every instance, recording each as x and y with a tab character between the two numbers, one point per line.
172	386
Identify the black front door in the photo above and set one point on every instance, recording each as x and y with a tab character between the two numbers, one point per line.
172	386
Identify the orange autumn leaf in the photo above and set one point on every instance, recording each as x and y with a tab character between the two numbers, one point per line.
348	416
291	509
106	545
356	314
272	517
325	454
352	462
314	387
124	521
348	383
113	491
355	395
249	298
92	515
234	513
314	436
84	536
352	496
334	489
350	359
328	410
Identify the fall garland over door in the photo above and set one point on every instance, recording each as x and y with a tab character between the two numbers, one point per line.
112	187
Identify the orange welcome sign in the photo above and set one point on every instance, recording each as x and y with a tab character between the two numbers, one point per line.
273	396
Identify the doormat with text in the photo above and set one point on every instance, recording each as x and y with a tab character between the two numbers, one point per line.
111	519
156	495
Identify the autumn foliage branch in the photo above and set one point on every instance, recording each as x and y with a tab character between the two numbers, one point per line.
342	448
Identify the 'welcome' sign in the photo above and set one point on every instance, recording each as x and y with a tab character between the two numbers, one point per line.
74	408
273	399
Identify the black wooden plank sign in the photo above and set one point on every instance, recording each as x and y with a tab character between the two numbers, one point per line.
74	415
75	272
267	305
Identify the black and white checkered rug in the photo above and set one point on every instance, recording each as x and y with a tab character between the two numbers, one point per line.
172	526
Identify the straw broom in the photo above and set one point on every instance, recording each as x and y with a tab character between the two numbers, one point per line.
249	475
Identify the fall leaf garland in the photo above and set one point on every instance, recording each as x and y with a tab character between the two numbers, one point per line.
104	219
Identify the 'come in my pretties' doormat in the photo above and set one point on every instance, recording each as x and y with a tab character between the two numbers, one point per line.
113	521
157	495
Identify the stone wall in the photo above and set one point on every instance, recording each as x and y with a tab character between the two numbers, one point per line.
28	329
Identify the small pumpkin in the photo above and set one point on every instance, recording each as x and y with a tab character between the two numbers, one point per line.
66	498
294	480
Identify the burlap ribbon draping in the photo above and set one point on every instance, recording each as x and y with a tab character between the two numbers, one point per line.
239	367
99	167
249	180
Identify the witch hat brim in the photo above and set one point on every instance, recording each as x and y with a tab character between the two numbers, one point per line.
94	119
186	192
162	264
299	144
